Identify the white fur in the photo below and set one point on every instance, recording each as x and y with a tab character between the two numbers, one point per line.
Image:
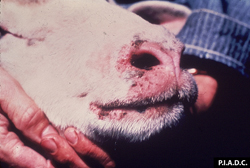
59	50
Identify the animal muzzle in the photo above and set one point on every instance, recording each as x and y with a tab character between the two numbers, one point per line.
151	69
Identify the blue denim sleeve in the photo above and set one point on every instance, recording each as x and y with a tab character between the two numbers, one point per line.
219	31
215	36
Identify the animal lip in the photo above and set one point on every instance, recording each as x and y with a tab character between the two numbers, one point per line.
117	110
140	106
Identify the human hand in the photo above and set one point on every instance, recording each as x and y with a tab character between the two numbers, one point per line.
18	108
207	88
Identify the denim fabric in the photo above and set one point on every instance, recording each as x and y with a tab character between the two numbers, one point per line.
217	30
211	35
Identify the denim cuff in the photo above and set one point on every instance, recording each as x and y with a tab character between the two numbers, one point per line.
215	36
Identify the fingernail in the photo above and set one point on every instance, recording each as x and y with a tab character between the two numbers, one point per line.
49	145
49	130
71	136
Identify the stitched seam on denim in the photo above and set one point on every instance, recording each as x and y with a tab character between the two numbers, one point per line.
215	53
222	15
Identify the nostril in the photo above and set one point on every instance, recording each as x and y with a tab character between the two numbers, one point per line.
144	61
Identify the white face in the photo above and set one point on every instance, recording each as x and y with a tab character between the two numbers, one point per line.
95	66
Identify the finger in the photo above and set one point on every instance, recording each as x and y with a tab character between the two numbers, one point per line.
13	151
61	151
30	120
85	147
22	110
207	87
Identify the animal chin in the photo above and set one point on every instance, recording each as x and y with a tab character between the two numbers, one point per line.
132	121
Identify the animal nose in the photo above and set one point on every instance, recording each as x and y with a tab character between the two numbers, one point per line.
153	56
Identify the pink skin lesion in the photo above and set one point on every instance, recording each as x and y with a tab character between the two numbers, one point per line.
102	113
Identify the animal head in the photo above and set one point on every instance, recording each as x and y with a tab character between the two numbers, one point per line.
95	66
